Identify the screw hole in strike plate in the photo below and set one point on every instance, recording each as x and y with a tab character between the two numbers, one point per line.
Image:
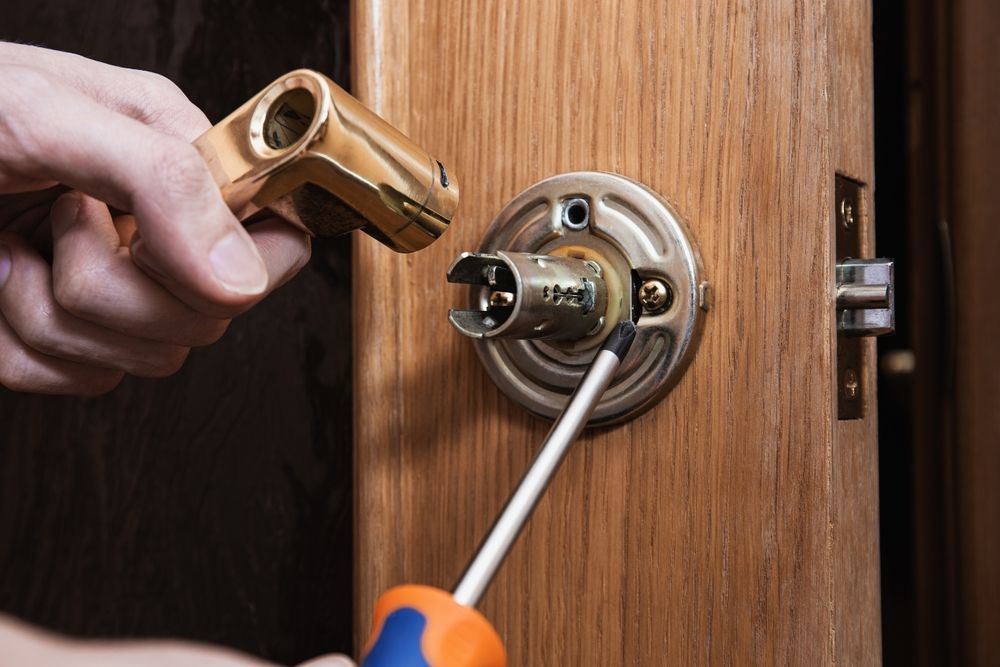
576	213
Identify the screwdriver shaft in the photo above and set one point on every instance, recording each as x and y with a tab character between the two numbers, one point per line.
567	428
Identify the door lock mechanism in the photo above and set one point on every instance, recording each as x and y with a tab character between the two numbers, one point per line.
561	265
531	296
865	299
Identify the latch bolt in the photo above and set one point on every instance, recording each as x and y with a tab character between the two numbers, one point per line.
865	297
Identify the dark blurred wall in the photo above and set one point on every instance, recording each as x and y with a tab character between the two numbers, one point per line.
214	505
937	107
974	209
895	391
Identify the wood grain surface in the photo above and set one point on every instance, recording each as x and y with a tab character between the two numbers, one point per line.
854	455
735	522
214	505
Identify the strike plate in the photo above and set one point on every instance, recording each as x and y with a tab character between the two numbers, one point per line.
848	214
865	303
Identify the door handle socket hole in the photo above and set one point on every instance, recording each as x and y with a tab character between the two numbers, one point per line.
289	118
285	116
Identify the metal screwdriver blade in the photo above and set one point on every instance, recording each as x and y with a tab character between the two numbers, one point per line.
564	432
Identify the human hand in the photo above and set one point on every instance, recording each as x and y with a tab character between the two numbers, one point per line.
23	645
124	293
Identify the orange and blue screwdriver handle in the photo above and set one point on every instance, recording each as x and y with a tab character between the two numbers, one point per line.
422	626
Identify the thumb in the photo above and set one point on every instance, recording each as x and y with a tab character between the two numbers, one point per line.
189	240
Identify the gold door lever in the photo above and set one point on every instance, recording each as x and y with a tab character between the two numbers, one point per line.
312	153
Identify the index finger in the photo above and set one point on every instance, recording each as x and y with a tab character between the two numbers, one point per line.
49	131
150	98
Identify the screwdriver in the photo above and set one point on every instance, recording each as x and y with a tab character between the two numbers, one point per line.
423	626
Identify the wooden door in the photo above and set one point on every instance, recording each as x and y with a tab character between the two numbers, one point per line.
737	521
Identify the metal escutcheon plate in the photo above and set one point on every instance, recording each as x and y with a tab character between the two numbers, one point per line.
635	235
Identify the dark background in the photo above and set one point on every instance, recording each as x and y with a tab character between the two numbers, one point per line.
937	135
895	394
214	505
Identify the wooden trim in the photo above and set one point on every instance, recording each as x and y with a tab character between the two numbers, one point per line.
379	79
854	538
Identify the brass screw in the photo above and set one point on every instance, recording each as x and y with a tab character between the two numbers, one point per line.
655	295
850	384
846	213
501	299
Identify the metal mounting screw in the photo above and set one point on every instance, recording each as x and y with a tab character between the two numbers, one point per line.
850	384
846	213
655	295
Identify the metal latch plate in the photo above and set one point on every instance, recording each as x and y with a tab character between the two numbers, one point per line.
864	296
850	211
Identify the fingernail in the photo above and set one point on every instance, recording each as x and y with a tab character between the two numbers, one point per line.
329	661
337	661
237	265
5	264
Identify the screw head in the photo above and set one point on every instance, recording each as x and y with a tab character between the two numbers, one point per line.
655	295
501	299
850	384
846	213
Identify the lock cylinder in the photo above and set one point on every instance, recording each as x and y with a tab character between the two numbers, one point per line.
530	296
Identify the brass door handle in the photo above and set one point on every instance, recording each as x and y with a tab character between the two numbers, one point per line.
315	155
